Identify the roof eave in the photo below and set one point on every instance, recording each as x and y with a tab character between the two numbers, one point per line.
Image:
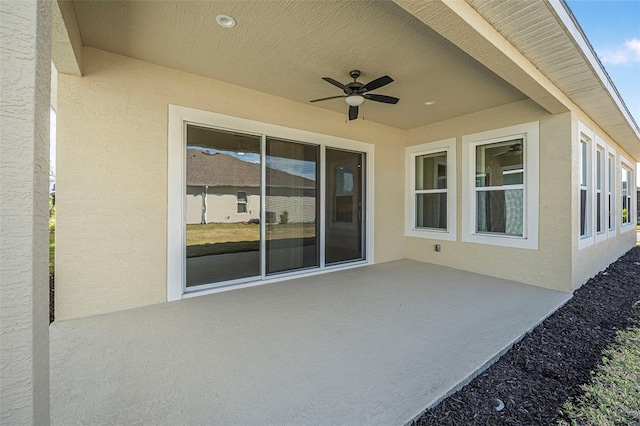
575	32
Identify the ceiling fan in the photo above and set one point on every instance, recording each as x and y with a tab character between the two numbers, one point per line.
512	150
355	92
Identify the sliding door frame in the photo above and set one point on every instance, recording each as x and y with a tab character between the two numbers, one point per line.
179	117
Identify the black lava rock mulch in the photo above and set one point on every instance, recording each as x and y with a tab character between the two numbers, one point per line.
546	368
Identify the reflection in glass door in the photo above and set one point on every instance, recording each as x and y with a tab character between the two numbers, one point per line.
344	217
253	209
291	206
222	206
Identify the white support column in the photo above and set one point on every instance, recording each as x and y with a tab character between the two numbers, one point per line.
25	70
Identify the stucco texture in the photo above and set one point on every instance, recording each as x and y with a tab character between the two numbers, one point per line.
25	46
588	261
550	265
111	242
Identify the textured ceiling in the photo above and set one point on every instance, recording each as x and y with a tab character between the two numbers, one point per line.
285	48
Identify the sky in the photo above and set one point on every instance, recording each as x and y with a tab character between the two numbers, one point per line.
613	29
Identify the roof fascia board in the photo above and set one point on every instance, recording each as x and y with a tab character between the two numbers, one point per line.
462	25
66	52
573	28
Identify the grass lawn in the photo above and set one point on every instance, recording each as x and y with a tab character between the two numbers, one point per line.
220	238
613	396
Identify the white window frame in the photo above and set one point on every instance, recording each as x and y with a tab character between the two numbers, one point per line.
611	192
179	117
631	193
238	202
601	147
447	146
529	132
587	136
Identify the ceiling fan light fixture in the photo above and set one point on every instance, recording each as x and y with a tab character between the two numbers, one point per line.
354	100
225	21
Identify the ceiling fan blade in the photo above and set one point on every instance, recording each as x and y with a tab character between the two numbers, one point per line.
377	83
330	97
353	112
381	98
335	83
501	153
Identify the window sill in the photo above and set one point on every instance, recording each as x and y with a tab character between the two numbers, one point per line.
431	234
502	240
626	227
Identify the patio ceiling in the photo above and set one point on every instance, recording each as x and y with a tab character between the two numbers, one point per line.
285	48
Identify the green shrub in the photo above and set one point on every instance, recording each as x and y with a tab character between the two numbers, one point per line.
284	218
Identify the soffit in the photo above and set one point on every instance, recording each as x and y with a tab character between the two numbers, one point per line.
284	48
536	30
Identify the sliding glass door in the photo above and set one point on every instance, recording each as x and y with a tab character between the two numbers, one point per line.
344	218
254	208
291	206
222	206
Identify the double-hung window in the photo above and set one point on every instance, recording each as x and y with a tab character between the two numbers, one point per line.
600	205
500	202
600	228
611	194
626	193
585	209
596	188
430	198
242	202
499	187
586	188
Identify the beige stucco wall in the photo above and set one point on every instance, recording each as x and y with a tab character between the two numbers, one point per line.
588	261
112	174
550	265
25	40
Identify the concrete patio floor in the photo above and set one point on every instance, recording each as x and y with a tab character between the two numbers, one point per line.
374	345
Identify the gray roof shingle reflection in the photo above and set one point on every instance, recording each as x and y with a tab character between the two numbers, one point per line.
219	169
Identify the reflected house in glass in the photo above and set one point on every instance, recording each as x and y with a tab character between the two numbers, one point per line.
224	189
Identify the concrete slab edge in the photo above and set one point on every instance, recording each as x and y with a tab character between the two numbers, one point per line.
484	366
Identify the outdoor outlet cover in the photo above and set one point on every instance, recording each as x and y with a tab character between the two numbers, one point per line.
438	247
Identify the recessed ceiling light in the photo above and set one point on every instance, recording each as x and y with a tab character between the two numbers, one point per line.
430	102
225	21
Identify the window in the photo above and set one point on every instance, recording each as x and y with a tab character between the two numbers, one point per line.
431	198
611	184
242	202
585	208
587	184
599	196
431	191
499	188
500	200
626	193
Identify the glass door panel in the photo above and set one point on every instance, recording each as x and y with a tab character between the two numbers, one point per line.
291	206
222	206
344	221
